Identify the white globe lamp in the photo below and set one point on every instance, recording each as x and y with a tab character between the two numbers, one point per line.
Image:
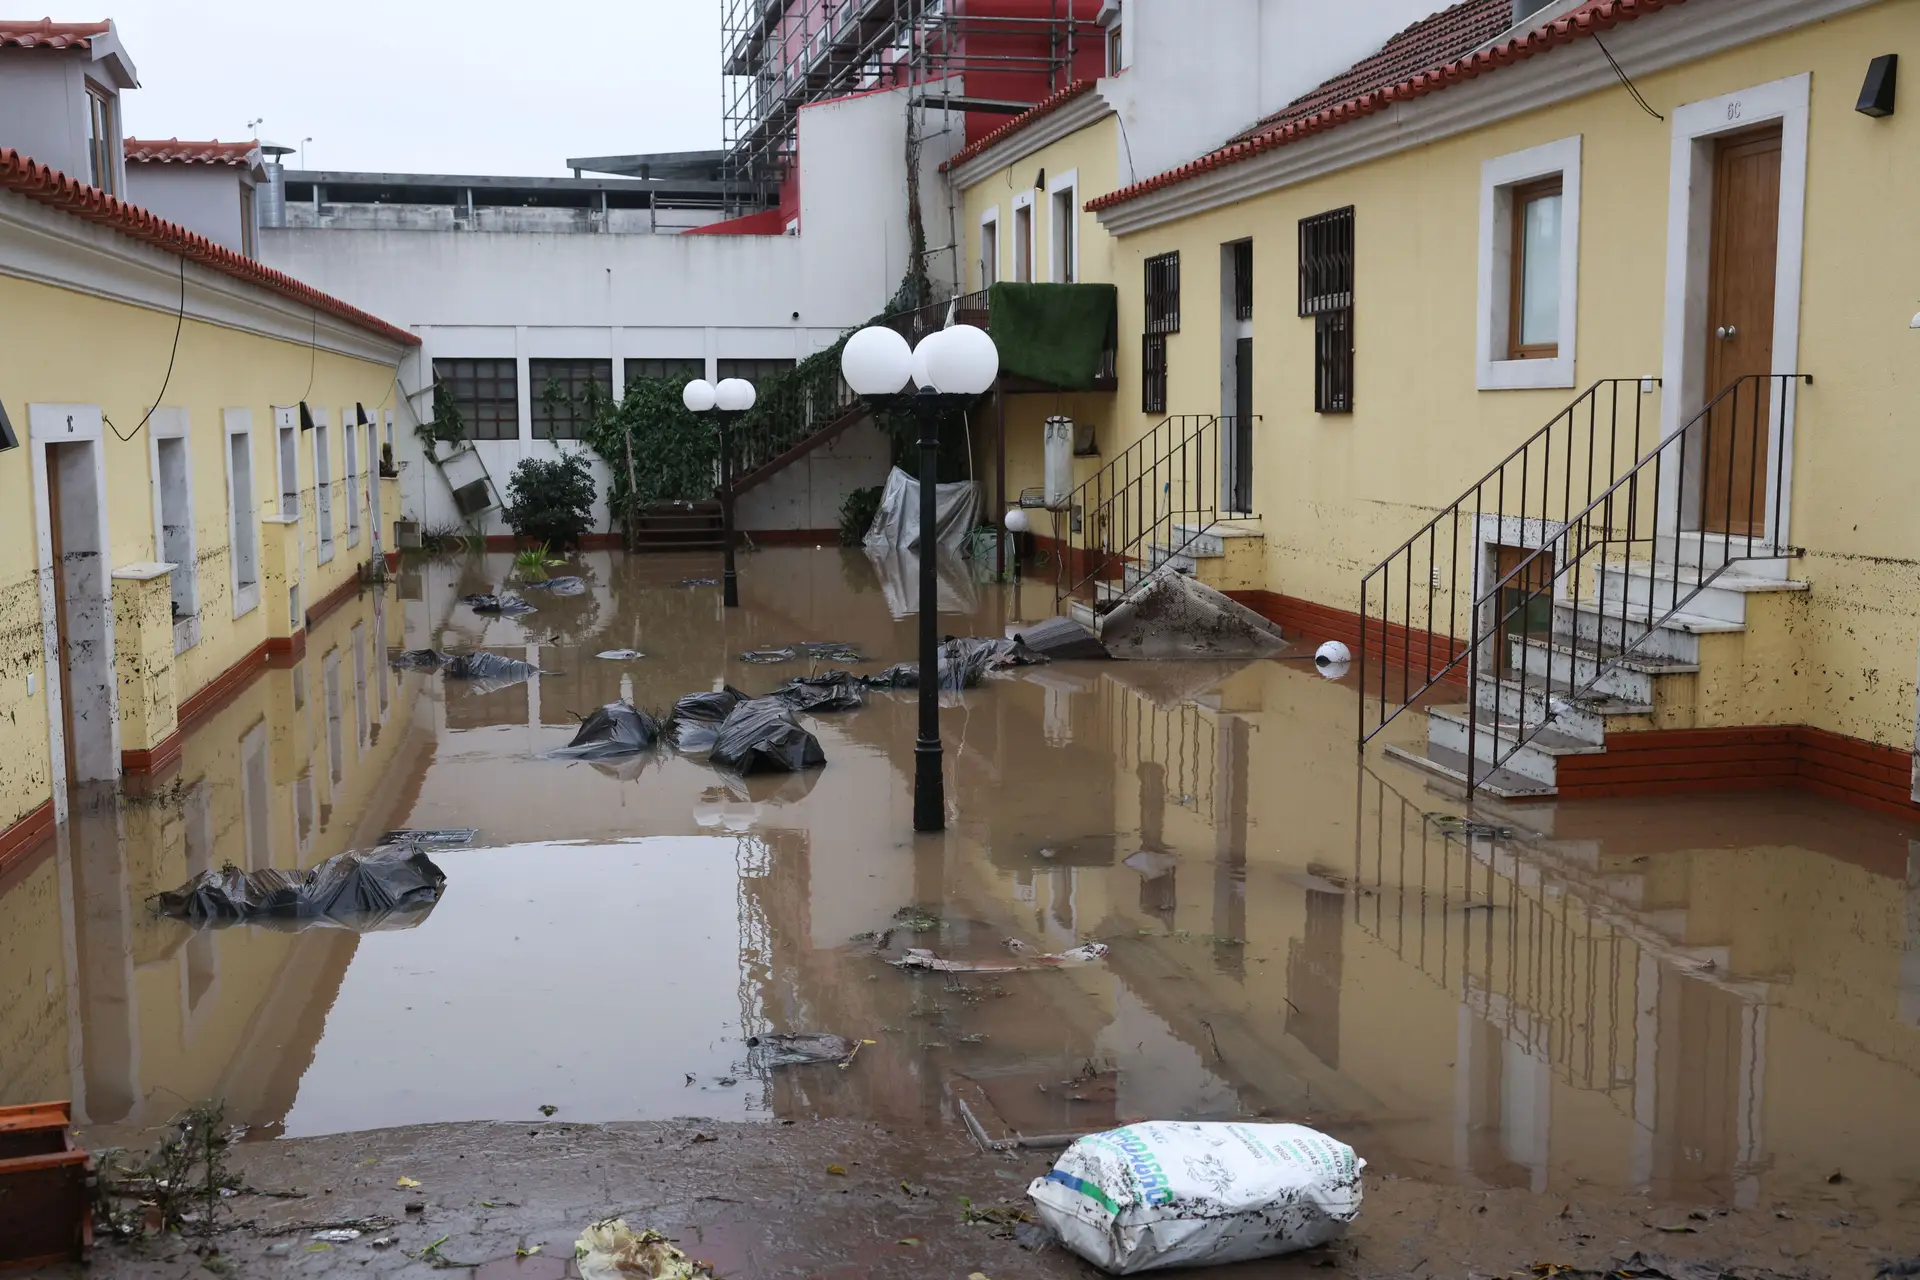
699	395
876	362
923	360
965	362
735	395
1017	521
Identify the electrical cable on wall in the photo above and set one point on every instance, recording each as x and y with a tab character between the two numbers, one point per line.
313	355
1644	106
179	322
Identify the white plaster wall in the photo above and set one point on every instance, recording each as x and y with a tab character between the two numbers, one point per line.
1304	43
43	112
531	218
200	197
808	494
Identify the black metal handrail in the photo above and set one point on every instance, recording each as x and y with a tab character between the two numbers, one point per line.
1732	443
1165	486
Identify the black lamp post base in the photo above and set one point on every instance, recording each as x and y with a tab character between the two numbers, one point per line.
730	586
929	790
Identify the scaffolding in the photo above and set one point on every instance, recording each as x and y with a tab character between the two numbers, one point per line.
779	55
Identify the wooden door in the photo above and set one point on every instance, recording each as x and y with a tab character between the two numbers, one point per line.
1525	603
1744	253
62	614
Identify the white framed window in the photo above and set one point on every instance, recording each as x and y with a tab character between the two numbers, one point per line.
242	522
990	248
323	485
1116	51
286	428
103	138
1528	306
174	537
353	479
1063	227
1023	237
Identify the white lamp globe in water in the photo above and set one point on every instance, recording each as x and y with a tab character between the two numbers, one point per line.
1017	521
734	395
923	360
876	361
699	395
965	362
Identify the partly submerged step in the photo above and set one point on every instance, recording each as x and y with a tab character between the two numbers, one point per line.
1452	765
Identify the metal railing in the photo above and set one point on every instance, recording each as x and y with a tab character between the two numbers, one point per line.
1587	519
1156	499
917	322
794	407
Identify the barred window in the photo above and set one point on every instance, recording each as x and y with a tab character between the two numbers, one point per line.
754	371
1153	374
559	393
1163	293
1326	294
1243	280
675	369
486	393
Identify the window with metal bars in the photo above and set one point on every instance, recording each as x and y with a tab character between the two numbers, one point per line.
1153	374
1163	293
486	392
1243	280
675	369
559	395
1326	294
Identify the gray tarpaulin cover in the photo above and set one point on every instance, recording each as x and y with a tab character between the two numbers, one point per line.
389	888
897	524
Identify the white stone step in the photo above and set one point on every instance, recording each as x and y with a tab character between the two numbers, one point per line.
1661	585
1535	757
1530	703
1676	638
1452	765
1569	661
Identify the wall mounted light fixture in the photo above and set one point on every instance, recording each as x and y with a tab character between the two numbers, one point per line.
1876	93
8	440
360	412
306	418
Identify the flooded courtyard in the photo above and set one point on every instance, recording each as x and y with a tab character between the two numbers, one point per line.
1711	1001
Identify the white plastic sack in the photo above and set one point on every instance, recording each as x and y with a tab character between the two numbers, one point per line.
1178	1194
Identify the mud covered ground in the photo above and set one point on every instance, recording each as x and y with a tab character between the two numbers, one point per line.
758	1200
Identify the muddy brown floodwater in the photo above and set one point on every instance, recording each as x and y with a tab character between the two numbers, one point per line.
1673	1006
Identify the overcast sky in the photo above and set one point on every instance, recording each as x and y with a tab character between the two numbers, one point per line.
426	86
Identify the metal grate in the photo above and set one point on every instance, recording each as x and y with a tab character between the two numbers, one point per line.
1243	280
486	393
1163	293
560	394
1326	262
1153	374
1333	362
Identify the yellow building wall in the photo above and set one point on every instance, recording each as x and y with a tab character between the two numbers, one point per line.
1338	493
1092	153
63	346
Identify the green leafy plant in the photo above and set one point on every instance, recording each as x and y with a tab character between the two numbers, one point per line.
532	562
441	538
551	499
657	450
446	426
857	511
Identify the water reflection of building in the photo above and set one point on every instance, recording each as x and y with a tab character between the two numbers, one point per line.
135	1016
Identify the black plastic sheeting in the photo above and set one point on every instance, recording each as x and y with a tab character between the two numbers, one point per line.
389	888
761	736
769	657
488	669
964	662
504	605
799	1048
712	706
557	586
615	730
826	692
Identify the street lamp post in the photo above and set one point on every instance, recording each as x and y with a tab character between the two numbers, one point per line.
727	401
951	368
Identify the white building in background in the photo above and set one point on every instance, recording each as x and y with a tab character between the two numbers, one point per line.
511	282
208	186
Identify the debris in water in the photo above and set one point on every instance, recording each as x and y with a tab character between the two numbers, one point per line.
963	662
615	730
487	671
620	655
506	606
920	958
1172	616
762	736
1060	639
1172	1194
800	1048
611	1250
341	1235
829	691
438	837
390	888
915	920
547	1109
1473	830
769	657
836	1171
698	582
558	586
832	651
1643	1266
406	1182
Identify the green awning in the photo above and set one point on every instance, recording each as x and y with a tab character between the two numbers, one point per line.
1053	333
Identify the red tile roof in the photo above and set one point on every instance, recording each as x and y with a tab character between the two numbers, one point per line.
169	150
49	34
50	187
1389	83
1039	110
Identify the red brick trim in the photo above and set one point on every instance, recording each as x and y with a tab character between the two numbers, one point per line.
215	694
1418	651
155	759
333	600
20	839
1745	758
283	651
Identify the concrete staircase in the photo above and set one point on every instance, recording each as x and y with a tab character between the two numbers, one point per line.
1634	677
1224	554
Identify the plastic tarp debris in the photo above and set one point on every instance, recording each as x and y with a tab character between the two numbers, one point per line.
1030	958
1178	1194
443	837
620	655
768	657
696	718
830	650
487	671
611	1250
964	662
799	1048
897	523
1172	616
828	691
898	572
698	582
761	735
615	730
504	605
558	586
1061	639
392	887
